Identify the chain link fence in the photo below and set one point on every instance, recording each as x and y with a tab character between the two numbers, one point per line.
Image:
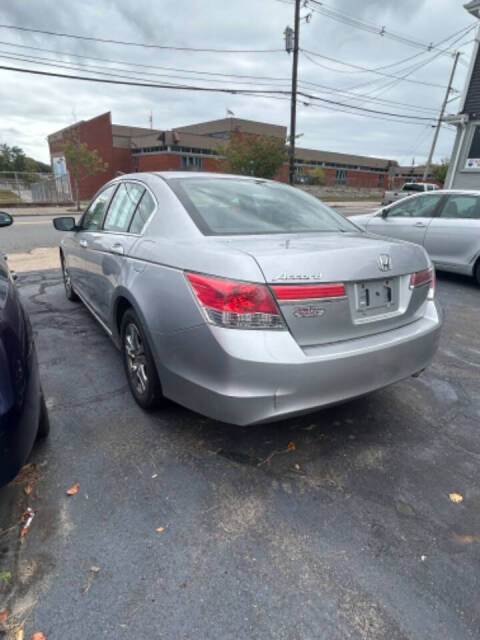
28	187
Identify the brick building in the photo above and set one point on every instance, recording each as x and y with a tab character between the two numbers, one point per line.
195	147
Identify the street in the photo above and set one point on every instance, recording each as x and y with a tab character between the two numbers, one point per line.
334	525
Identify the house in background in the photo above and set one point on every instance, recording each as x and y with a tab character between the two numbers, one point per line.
464	168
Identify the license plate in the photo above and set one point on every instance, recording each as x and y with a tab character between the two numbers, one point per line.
375	294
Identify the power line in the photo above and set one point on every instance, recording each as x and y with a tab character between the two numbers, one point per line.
98	70
77	67
307	53
144	66
230	90
334	14
135	44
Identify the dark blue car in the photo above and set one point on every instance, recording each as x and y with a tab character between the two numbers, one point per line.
23	414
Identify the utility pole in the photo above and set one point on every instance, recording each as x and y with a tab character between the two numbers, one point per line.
293	108
440	117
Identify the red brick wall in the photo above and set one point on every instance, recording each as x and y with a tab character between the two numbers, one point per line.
122	160
97	134
159	162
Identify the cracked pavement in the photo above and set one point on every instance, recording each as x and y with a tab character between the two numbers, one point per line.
350	534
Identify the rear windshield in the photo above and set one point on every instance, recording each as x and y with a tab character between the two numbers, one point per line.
229	206
413	187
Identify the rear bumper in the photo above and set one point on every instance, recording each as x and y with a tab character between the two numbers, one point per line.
248	377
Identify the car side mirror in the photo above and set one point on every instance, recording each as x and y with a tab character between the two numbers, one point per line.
384	213
5	219
65	223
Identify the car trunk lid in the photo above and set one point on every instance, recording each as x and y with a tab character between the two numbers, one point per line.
372	277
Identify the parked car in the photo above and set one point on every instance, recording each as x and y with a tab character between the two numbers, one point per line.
446	223
244	299
408	189
23	414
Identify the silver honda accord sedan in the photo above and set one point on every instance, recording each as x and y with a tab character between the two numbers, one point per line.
244	299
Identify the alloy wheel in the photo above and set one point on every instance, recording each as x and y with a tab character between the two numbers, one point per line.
136	359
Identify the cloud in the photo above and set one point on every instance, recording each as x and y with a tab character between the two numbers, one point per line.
34	106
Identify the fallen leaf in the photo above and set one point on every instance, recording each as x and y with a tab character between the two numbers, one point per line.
28	489
296	467
38	635
467	539
291	446
160	529
455	497
94	569
19	635
4	615
28	513
27	518
73	490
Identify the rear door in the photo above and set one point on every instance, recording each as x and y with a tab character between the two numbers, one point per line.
453	238
407	220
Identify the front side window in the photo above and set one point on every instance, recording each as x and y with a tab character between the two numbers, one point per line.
123	206
413	207
230	206
461	207
93	216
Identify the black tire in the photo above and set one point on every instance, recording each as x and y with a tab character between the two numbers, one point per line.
138	362
44	422
476	272
67	281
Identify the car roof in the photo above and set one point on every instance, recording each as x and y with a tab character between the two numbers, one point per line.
170	175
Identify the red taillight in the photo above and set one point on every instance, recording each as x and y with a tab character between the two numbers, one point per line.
420	278
236	304
308	291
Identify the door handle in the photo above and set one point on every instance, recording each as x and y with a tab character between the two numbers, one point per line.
420	224
117	248
83	243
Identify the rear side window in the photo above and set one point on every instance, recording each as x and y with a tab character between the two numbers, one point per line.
143	212
413	187
93	216
123	206
461	207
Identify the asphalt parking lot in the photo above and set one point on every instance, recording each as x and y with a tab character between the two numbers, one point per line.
330	526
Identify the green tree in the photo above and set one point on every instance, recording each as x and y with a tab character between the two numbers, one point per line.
260	156
14	159
317	176
440	171
82	162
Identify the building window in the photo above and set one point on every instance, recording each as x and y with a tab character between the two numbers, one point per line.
380	180
191	163
473	157
341	176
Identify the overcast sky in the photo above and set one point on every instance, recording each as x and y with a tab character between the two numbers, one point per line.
31	107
